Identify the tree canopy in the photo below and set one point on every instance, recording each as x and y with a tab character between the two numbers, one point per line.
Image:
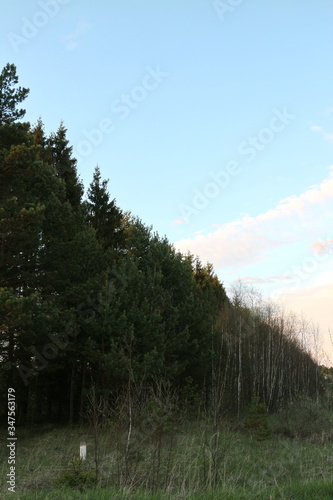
89	294
10	95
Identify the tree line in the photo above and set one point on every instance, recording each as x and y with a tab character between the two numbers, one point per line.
90	295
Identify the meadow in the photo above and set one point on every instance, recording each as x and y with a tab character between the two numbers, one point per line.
182	460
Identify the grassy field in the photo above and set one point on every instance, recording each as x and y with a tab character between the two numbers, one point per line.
191	461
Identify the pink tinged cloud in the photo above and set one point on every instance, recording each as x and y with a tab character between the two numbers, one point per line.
179	221
268	279
316	303
322	247
248	239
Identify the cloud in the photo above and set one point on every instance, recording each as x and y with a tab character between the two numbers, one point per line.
249	239
181	220
269	279
321	247
316	303
72	40
328	136
316	128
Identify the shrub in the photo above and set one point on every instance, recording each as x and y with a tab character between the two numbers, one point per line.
303	419
77	476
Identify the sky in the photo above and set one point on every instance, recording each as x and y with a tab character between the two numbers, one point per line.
212	120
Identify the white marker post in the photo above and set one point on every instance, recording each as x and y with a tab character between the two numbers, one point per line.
83	451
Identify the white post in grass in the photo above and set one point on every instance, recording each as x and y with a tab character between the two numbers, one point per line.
83	451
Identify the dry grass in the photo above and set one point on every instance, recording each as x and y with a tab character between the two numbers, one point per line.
179	463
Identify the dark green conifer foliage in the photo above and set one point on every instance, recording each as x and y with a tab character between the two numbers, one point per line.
10	95
113	302
103	214
11	132
65	165
26	184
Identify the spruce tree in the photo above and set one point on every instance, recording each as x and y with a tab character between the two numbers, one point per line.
64	165
39	139
103	214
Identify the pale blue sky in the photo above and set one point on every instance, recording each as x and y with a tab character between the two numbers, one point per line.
196	87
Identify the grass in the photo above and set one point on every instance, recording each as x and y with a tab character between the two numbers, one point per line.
190	462
311	491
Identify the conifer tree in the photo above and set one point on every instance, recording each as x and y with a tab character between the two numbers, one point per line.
39	139
65	165
10	96
114	299
11	131
103	214
38	134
